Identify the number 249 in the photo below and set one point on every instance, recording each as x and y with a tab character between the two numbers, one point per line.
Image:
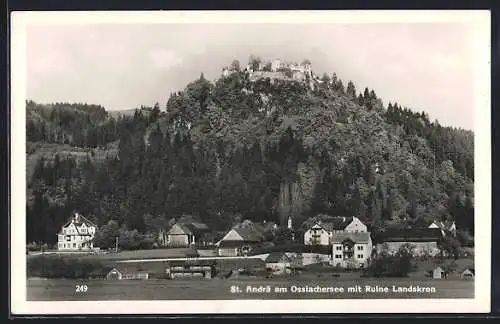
81	288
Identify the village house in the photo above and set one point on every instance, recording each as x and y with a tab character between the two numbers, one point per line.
467	274
446	227
351	249
240	241
424	240
438	273
278	263
321	232
77	234
184	234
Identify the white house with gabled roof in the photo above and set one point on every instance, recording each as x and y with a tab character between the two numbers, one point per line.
77	234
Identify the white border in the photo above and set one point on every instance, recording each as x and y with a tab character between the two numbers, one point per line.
481	303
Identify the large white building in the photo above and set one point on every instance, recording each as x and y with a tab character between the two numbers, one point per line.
351	250
321	233
77	234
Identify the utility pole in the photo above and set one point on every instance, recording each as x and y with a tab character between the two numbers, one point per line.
116	245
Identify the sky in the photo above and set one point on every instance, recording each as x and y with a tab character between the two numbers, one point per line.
424	66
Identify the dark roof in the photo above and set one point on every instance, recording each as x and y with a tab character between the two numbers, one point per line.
264	227
445	225
78	220
409	235
250	234
276	257
335	223
355	237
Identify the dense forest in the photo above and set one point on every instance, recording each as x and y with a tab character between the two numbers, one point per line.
262	149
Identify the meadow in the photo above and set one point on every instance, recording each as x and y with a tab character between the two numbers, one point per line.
194	289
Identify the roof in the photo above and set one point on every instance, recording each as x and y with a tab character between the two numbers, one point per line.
193	228
410	235
254	233
78	220
264	227
471	270
276	257
355	237
335	223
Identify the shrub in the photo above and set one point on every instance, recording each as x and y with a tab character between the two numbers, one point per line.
398	265
33	246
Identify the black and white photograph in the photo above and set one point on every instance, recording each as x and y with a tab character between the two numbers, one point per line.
250	162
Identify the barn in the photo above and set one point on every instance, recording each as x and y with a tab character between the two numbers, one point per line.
438	273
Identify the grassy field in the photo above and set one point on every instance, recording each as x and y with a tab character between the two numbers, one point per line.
58	290
128	255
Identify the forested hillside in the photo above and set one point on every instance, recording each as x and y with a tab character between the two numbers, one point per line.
257	149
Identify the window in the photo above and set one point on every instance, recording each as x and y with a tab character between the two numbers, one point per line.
360	248
360	256
338	256
74	245
361	265
60	245
339	248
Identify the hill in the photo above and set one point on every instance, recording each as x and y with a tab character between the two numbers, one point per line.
262	146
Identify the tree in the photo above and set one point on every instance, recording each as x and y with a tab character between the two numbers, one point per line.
267	67
105	237
235	66
254	62
155	113
283	236
397	265
340	86
351	90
